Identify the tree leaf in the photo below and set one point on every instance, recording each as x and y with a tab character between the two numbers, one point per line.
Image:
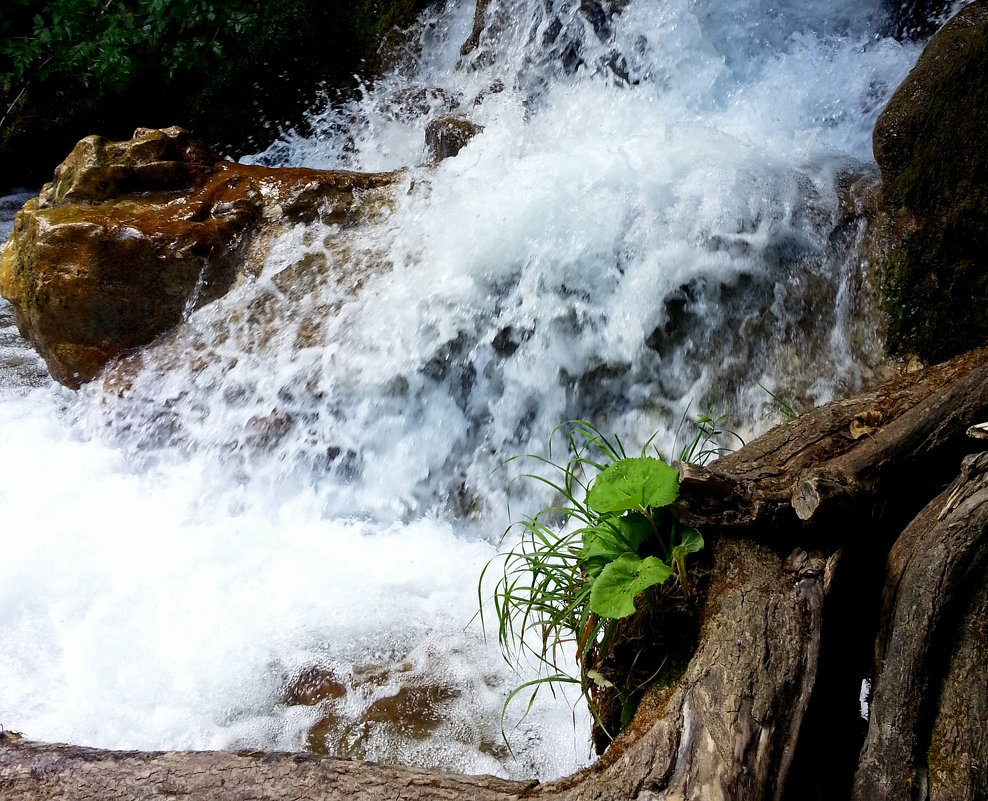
599	549
634	529
614	590
634	484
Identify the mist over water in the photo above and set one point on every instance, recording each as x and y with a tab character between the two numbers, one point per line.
307	472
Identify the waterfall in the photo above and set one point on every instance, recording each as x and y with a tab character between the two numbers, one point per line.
309	473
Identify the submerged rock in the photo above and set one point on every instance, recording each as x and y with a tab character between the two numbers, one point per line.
131	236
447	135
931	144
374	709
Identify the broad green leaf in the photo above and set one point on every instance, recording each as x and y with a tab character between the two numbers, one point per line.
599	548
634	529
634	484
614	590
691	540
607	541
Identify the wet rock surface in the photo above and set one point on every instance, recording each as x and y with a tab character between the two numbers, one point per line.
389	708
931	144
131	236
447	135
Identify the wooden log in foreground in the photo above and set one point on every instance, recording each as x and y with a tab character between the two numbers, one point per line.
846	457
729	724
735	722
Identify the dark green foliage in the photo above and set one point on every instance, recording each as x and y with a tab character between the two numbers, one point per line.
232	71
108	44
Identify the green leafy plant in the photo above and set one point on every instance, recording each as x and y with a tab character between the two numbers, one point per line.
787	411
583	567
108	42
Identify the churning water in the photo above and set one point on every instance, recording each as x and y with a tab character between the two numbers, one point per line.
306	475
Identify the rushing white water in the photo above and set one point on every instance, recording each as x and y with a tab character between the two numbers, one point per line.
306	473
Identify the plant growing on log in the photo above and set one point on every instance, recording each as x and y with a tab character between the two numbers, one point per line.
580	566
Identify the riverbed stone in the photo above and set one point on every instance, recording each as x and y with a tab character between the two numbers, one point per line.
931	144
447	135
130	237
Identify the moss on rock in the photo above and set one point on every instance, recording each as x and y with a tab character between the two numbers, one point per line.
931	143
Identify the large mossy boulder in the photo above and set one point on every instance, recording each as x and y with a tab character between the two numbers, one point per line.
931	144
131	236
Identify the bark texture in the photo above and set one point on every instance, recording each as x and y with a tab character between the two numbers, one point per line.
935	567
41	772
842	459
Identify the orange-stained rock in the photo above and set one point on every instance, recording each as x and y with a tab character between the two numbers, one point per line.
131	236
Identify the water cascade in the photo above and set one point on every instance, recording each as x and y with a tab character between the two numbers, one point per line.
305	479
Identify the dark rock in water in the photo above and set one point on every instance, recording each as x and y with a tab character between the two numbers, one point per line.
480	22
447	135
509	339
561	42
312	685
931	144
392	702
131	236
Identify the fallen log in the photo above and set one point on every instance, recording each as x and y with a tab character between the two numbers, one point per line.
831	461
726	729
43	772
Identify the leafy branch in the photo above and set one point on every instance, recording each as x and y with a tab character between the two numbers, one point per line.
109	42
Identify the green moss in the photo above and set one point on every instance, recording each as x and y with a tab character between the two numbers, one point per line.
934	159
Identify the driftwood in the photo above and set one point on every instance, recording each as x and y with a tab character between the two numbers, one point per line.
845	456
818	580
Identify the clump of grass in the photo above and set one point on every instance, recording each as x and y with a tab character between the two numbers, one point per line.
581	569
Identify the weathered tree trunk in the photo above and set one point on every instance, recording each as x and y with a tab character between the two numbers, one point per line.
806	523
728	728
845	457
925	660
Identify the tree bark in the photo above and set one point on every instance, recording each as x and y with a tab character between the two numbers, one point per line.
957	760
842	458
41	772
935	567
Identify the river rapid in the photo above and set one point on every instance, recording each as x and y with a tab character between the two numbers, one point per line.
648	226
